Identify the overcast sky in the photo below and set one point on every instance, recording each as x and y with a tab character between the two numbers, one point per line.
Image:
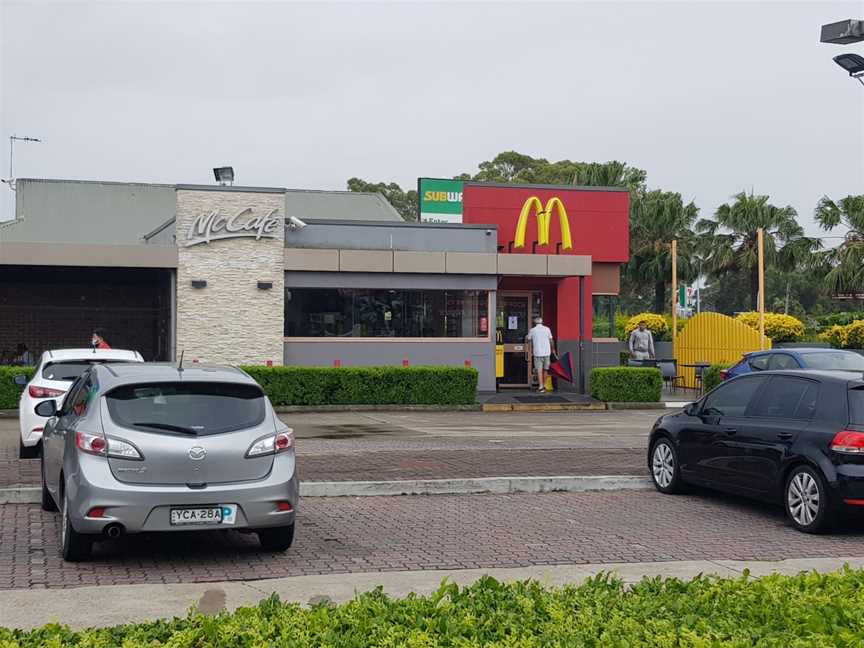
709	97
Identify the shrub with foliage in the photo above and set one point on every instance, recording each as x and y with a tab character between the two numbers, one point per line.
844	318
775	611
837	336
655	323
9	391
855	335
626	384
778	327
367	385
711	376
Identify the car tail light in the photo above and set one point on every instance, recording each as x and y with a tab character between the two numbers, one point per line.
96	512
848	442
123	450
724	374
272	444
44	392
91	443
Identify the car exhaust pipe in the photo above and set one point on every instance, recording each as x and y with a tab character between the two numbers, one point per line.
114	531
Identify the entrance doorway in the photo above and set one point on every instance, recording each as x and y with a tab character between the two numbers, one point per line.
516	311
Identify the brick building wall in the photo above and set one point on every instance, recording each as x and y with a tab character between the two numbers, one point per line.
230	320
51	308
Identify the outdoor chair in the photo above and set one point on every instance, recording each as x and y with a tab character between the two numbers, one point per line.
669	370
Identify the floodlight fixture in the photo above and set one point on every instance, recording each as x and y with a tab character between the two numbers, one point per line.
224	175
853	64
843	32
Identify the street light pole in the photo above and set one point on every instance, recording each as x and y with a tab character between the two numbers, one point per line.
760	237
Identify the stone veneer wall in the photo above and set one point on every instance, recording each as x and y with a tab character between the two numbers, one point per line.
231	320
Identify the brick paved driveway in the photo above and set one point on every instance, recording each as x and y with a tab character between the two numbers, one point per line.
442	532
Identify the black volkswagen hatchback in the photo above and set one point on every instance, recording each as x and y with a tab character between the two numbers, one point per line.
795	437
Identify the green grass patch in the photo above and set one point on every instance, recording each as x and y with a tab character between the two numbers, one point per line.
772	612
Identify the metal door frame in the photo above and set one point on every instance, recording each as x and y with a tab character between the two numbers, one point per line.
519	347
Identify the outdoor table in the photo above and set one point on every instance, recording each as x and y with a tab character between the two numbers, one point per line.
700	368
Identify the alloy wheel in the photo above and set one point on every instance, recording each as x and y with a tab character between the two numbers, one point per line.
803	498
663	465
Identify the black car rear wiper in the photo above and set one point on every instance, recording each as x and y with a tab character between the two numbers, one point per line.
167	426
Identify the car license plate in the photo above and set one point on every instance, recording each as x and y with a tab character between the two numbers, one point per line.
209	515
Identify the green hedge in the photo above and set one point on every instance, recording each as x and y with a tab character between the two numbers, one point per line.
367	385
775	611
9	391
626	384
711	376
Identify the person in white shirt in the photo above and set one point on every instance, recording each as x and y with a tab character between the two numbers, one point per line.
543	346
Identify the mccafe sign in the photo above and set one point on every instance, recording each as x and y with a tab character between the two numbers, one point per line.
214	226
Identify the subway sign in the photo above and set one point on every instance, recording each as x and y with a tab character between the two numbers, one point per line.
440	200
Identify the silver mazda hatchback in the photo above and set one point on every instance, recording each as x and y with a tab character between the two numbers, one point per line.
149	447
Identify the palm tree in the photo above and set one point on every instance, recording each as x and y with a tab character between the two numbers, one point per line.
846	261
730	243
656	218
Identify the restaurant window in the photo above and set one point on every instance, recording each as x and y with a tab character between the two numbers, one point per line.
395	313
605	307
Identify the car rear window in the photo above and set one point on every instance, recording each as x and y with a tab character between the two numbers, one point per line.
856	406
194	408
69	370
841	360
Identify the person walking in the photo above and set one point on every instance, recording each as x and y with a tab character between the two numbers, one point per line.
642	343
97	340
542	347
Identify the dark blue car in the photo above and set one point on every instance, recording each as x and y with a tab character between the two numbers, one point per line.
797	358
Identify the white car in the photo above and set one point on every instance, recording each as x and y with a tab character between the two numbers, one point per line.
55	372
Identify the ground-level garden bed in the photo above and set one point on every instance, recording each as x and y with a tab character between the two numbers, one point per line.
775	611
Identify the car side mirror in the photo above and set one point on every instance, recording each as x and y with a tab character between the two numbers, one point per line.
691	409
47	408
20	380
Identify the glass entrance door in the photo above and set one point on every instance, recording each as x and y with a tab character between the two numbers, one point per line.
515	312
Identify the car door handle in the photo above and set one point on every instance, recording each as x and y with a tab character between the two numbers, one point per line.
730	430
784	435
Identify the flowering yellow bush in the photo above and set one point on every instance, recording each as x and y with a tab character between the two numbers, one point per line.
855	335
654	322
837	336
778	327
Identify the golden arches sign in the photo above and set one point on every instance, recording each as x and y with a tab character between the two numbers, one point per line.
544	222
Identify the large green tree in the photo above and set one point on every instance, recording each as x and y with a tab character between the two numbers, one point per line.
657	217
846	261
729	241
405	202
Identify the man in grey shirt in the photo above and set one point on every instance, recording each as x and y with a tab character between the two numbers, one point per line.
641	343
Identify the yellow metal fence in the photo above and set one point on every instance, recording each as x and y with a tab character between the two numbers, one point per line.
714	338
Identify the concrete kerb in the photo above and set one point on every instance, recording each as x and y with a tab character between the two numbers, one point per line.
466	486
109	605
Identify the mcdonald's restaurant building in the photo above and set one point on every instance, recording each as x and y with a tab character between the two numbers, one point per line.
257	275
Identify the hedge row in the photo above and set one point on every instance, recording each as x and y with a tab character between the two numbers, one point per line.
776	611
367	385
626	384
332	386
9	391
711	376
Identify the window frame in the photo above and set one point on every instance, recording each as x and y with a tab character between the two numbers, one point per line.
754	376
490	307
751	360
776	356
751	411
